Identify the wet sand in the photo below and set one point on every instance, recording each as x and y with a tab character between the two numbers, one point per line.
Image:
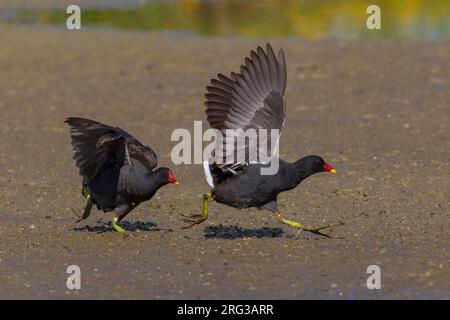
377	110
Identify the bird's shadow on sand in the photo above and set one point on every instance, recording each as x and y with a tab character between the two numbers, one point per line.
234	232
103	227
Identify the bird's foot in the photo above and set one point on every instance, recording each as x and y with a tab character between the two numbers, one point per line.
298	225
115	225
196	219
315	230
193	220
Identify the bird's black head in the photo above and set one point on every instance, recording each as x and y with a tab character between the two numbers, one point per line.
313	164
166	175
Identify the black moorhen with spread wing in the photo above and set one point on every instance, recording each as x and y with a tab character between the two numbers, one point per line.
253	99
117	169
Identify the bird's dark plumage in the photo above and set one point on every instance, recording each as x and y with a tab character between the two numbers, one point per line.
252	99
249	188
117	169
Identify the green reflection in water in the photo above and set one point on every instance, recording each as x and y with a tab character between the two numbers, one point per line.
310	19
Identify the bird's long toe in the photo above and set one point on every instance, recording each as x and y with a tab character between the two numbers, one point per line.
116	226
317	230
192	220
305	228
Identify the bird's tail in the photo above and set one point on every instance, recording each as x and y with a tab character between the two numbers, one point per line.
89	202
207	172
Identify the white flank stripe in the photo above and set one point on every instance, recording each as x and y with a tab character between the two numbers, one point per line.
208	175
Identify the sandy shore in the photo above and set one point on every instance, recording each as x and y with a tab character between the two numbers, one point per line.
377	110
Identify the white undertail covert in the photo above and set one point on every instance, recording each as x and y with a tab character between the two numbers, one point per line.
208	175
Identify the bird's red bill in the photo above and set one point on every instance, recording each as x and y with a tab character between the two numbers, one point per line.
329	168
172	178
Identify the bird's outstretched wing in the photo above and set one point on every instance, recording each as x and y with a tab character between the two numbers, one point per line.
97	146
251	99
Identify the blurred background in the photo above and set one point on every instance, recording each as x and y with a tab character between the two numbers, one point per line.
307	19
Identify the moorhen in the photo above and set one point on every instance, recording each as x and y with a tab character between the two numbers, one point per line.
117	169
252	99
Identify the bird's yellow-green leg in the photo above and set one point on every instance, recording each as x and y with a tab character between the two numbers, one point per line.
199	218
296	224
89	204
114	222
206	198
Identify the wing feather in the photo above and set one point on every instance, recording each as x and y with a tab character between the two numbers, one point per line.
252	98
97	146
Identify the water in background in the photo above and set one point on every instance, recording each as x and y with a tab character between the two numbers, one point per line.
309	19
